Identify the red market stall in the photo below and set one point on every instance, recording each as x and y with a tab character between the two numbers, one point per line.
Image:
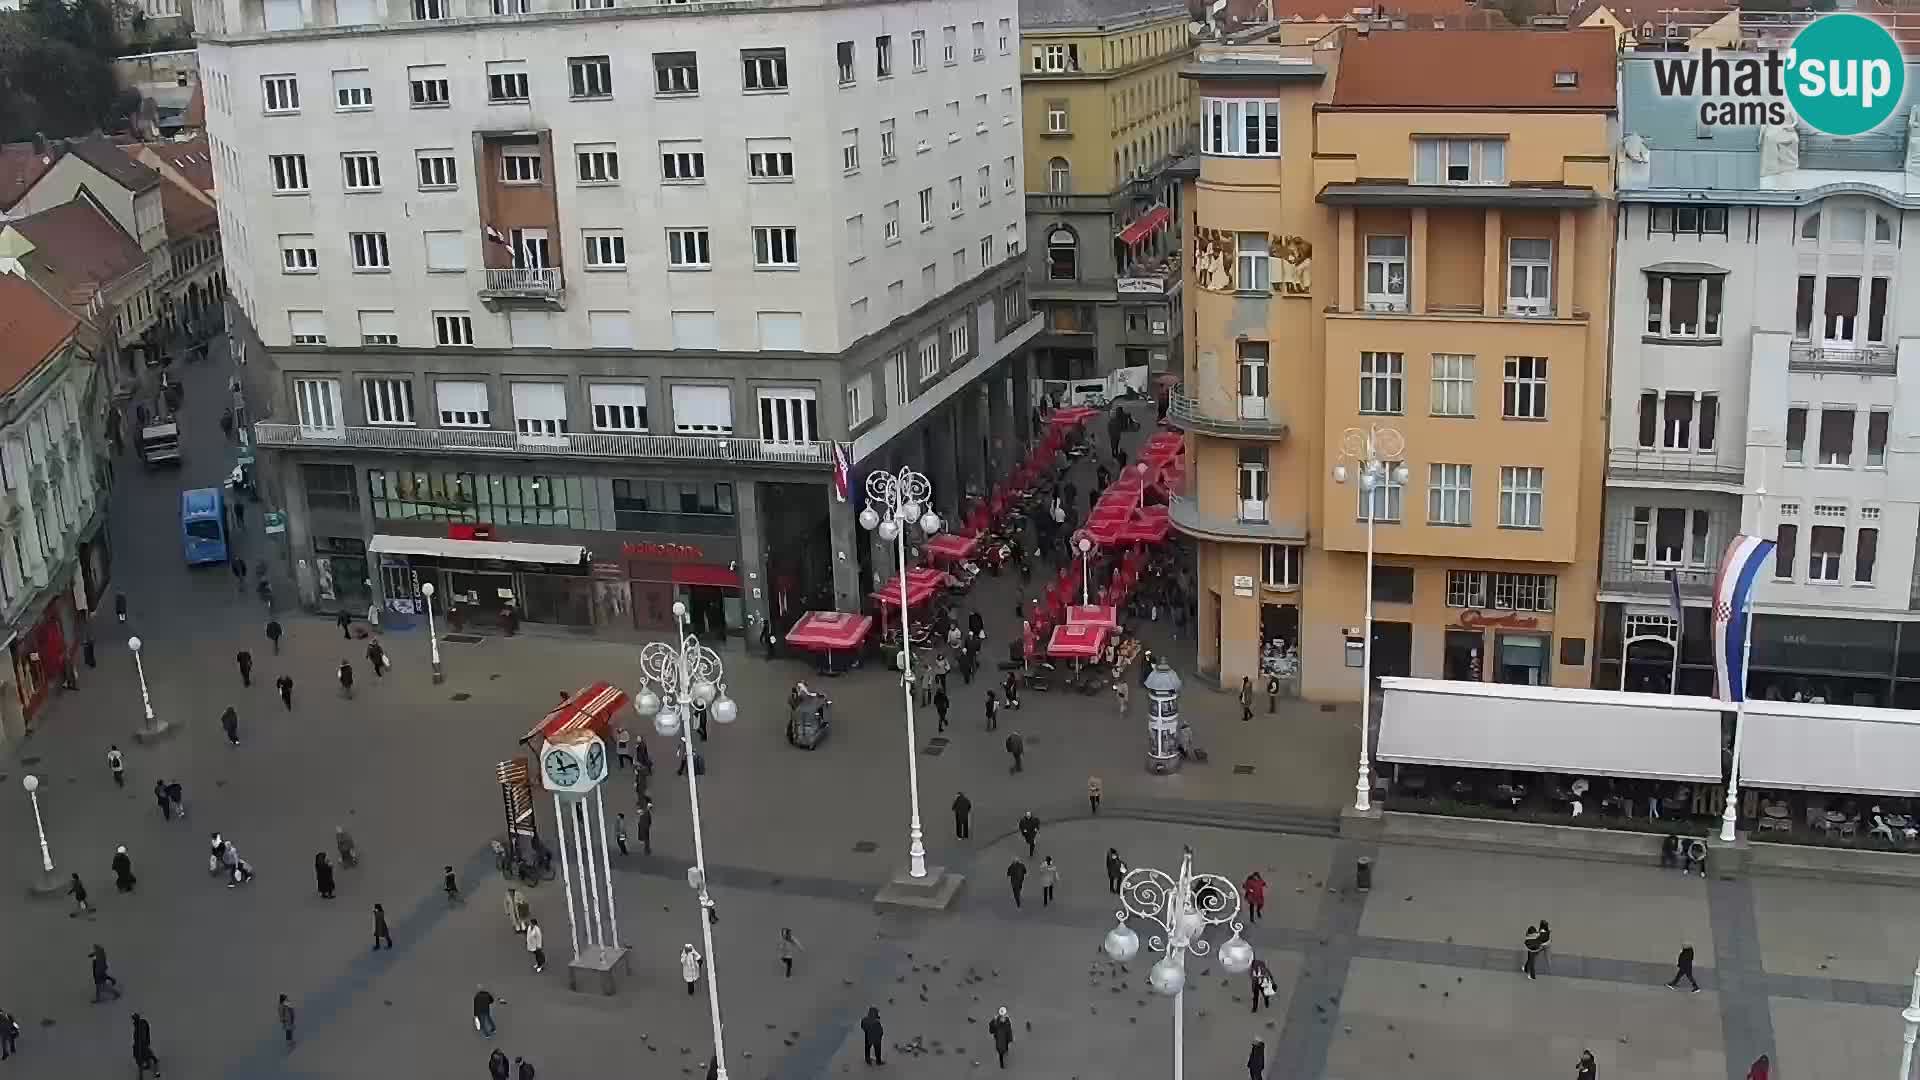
589	709
1077	641
1106	531
1104	615
951	546
1066	418
1149	526
829	632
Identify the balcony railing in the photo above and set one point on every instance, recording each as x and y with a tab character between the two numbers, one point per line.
1867	360
710	448
1189	414
1672	467
520	282
1651	580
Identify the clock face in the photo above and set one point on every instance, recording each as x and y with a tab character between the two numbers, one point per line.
596	761
562	768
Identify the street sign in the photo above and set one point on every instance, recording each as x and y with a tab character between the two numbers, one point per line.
276	522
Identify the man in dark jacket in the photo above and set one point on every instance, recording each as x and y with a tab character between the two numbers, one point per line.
1257	1060
1001	1028
103	980
245	660
870	1035
1016	749
1030	831
524	1070
1017	878
1683	969
380	934
497	1066
143	1058
962	813
230	723
483	1012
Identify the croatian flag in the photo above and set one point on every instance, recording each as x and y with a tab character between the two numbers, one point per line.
842	471
1732	598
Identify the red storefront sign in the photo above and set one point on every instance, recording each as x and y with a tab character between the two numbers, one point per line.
1475	619
665	552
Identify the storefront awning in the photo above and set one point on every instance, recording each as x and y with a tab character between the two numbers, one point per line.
1148	224
1837	748
501	550
1550	729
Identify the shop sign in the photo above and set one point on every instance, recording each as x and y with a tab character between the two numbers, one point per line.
1141	285
1475	619
670	552
276	522
1243	585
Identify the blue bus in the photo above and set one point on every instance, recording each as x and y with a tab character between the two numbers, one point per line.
203	526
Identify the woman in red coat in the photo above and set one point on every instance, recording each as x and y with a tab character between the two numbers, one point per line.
1255	890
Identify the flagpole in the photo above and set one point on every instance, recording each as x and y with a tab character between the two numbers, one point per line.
1673	680
1625	648
1730	816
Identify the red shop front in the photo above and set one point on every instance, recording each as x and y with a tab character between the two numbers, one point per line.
40	655
655	576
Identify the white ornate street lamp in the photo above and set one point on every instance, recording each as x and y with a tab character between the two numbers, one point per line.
689	675
1182	908
433	636
902	499
153	727
1085	543
47	884
1377	451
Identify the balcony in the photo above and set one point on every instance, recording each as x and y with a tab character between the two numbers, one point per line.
1656	468
713	449
1256	419
519	286
1185	513
1651	580
1821	360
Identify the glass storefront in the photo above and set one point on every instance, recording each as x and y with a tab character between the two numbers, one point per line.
1867	662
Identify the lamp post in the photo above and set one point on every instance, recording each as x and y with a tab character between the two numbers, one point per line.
1377	453
1085	543
433	636
901	500
154	728
1910	1014
46	886
1181	908
688	675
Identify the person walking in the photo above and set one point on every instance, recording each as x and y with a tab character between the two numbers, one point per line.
1683	969
160	797
1094	790
483	1003
1030	831
1246	699
1012	688
346	679
1001	1028
1273	692
1016	749
623	746
941	702
1017	878
1531	942
449	885
79	894
1122	693
523	1069
103	980
519	910
871	1034
286	1019
1260	983
123	878
1255	890
377	659
323	875
1546	937
497	1066
381	936
1586	1068
1116	870
244	660
643	824
1049	877
536	946
273	635
178	800
620	831
284	684
993	711
343	843
9	1035
230	723
690	961
143	1056
117	765
1257	1060
962	814
239	567
345	622
788	948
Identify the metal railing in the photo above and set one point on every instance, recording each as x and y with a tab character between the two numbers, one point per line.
596	444
1188	413
1866	360
520	281
1677	466
1652	580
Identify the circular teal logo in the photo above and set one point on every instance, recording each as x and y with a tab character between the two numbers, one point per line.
1847	74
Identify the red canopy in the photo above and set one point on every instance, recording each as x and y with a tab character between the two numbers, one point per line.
1149	223
1094	615
1110	510
1066	418
950	546
588	709
1106	531
1161	441
829	631
922	583
1077	641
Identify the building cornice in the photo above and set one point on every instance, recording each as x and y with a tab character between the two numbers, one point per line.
1760	197
1392	194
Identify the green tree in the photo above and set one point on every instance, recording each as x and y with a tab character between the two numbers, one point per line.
56	75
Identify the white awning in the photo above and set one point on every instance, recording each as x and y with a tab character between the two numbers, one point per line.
504	551
1550	729
1838	748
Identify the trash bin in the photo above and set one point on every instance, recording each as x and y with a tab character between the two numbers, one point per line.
1363	874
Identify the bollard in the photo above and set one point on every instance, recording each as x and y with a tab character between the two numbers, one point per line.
1363	874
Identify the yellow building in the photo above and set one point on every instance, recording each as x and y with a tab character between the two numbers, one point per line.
1379	252
1106	112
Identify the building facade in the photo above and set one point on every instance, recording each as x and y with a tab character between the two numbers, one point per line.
191	306
1374	253
571	308
1760	385
1106	115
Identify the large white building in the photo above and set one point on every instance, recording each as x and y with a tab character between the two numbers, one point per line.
648	262
1766	379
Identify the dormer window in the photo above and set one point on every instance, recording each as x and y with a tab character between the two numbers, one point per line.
1566	80
1460	161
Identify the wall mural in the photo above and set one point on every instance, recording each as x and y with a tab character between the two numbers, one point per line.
1294	274
1214	256
1213	259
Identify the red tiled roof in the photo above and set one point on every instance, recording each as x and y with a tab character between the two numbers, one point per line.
32	326
185	214
79	249
110	160
20	168
1483	69
197	107
1425	13
192	159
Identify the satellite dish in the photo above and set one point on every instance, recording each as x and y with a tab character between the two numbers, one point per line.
1634	149
1197	29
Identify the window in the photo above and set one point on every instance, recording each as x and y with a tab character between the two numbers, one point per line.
926	208
883	56
1280	566
619	406
1824	547
1522	497
957	340
922	124
850	150
379	328
775	247
1381	383
1836	436
949	42
1386	273
289	173
282	93
763	69
1006	36
318	403
1013	241
770	159
1059	176
1866	550
983	185
424	10
695	330
929	359
520	166
1383	501
682	162
1449	494
676	73
606	249
1784	541
1684	305
446	250
506	81
438	170
330	487
1796	435
1877	421
1686	220
1235	127
1530	276
452	328
596	163
887	152
369	251
860	401
890	227
919	49
388	401
1006	174
610	329
687	249
1459	161
1063	254
979	31
788	415
427	86
896	301
1254	271
462	404
843	56
307	327
856	238
1057	118
540	409
298	254
955	206
1253	484
361	171
1500	591
1523	396
1452	384
352	90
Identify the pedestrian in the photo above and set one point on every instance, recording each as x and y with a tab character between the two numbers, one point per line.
1122	693
380	934
497	1066
1246	699
1670	851
346	679
240	514
143	1056
79	894
377	659
449	886
483	1003
286	1019
240	575
1546	937
103	980
1016	749
789	948
1001	1028
230	723
9	1035
160	796
1255	890
1094	790
1017	878
123	878
1761	1069
1012	688
285	685
993	711
1260	982
120	606
177	799
1531	942
523	1069
245	661
1049	877
620	832
344	621
623	746
117	765
323	875
536	946
1273	692
1682	968
643	825
343	843
871	1032
690	967
962	812
273	635
1030	831
1586	1069
519	910
1116	869
941	703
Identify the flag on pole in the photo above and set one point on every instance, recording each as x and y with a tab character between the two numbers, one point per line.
842	471
1673	601
1732	601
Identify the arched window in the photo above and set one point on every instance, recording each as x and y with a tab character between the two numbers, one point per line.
1063	254
1059	176
1810	228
